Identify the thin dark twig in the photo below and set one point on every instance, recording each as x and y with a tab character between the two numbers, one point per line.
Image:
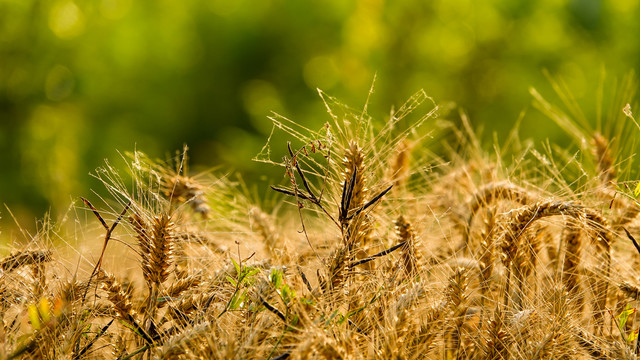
107	237
138	351
304	279
299	195
93	341
380	254
273	309
95	211
282	356
138	329
326	175
291	193
347	194
635	243
310	196
370	203
358	329
297	165
119	217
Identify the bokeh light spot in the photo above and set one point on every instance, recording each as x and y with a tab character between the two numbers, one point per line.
224	7
114	9
260	98
66	20
456	41
321	72
59	83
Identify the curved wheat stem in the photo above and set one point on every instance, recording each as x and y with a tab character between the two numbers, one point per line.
572	238
602	243
517	221
490	193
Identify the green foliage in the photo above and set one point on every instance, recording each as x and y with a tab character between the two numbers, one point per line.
82	78
245	278
39	314
621	322
287	294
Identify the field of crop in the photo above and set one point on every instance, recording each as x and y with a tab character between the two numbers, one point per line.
386	238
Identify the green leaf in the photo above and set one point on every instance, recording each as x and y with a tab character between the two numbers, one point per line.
252	271
624	315
44	309
636	191
232	280
235	264
330	319
306	301
34	317
276	278
162	299
237	300
633	336
248	275
287	294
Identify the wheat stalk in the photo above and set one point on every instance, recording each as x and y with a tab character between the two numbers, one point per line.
24	258
602	243
487	195
517	221
572	238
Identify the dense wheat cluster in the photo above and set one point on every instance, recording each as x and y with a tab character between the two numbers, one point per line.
377	246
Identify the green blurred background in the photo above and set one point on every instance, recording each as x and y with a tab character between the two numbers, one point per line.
81	80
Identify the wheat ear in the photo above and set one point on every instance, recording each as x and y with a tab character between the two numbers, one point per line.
160	255
572	238
358	229
489	193
119	298
519	220
457	299
143	235
602	243
499	340
409	255
23	258
338	268
487	257
400	164
265	226
525	262
607	171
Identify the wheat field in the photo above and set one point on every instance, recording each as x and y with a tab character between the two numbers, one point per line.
400	238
